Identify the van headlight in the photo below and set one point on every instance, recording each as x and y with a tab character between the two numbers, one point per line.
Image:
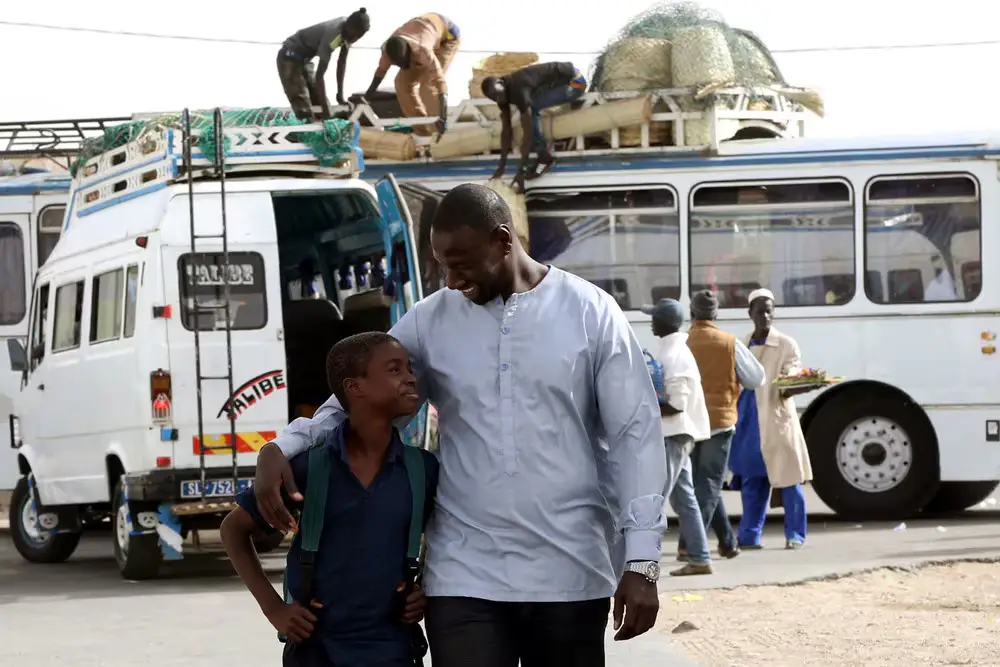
15	432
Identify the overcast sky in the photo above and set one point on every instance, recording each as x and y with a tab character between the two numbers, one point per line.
48	74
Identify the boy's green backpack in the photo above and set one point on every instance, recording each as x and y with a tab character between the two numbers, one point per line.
314	511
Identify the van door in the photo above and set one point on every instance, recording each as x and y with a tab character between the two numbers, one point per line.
193	284
402	239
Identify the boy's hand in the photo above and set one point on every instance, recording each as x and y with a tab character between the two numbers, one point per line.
273	472
292	620
413	611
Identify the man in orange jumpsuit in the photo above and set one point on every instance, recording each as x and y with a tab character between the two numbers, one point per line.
423	49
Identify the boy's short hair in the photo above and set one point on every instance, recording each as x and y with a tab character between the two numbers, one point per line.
350	357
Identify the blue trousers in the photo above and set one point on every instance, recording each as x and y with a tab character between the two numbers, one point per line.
756	495
546	98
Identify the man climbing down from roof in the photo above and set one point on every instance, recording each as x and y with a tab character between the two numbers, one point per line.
423	49
532	89
305	87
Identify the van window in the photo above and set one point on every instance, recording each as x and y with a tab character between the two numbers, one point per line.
41	319
106	307
68	314
131	293
50	222
12	287
923	233
796	238
201	290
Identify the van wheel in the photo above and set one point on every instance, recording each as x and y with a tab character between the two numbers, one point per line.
138	556
958	496
268	542
34	545
874	456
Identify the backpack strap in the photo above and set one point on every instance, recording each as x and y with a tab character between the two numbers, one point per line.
413	459
310	526
313	513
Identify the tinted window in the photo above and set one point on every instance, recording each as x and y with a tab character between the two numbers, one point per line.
202	277
796	239
13	292
131	296
38	327
68	314
625	241
106	307
922	236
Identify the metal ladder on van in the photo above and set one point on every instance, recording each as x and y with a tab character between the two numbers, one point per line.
220	159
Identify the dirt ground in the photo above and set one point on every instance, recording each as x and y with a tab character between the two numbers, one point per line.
939	615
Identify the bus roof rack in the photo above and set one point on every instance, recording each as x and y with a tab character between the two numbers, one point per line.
153	159
52	139
682	120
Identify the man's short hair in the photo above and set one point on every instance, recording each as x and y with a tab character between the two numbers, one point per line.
396	48
472	205
360	20
350	357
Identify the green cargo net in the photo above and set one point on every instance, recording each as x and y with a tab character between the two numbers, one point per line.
336	142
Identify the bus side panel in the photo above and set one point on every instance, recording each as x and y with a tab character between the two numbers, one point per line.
259	400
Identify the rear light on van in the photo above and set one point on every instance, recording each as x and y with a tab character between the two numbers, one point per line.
162	461
161	395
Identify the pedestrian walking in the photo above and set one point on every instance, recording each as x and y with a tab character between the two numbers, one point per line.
552	463
685	422
350	600
725	364
769	449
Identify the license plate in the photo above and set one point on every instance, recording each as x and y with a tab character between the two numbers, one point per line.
214	488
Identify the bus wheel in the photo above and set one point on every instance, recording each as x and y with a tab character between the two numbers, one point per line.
34	545
874	456
958	496
268	542
138	556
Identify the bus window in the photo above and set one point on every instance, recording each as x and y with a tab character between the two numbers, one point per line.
68	314
13	294
38	326
921	232
624	240
202	291
50	222
106	306
794	238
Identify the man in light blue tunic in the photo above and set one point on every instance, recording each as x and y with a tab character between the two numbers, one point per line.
552	459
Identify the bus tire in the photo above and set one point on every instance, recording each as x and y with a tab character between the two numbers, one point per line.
957	496
138	556
874	456
268	543
33	546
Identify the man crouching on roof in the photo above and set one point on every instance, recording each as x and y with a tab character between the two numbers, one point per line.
356	605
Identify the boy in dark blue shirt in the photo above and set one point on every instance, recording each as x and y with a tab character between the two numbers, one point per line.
359	572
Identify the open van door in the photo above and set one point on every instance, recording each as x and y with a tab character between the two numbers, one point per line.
421	204
405	267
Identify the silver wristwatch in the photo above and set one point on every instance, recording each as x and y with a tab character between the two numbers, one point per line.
647	568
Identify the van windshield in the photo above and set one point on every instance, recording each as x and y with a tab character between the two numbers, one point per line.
202	278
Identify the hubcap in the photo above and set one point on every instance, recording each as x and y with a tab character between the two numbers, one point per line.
874	454
29	524
121	529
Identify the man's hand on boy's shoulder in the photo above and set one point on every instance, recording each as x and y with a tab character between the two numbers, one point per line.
413	611
273	473
292	620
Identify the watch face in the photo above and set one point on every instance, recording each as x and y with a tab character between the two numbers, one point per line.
652	571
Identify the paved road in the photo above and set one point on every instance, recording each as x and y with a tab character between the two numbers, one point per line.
81	614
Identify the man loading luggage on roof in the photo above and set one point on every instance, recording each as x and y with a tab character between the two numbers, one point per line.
305	86
532	89
423	49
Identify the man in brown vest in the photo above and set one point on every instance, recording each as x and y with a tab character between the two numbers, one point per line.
725	364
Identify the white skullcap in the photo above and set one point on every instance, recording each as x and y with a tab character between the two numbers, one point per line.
760	292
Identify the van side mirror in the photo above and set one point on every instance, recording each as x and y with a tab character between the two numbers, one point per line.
18	357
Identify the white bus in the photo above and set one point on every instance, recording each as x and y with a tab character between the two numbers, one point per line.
32	206
873	249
